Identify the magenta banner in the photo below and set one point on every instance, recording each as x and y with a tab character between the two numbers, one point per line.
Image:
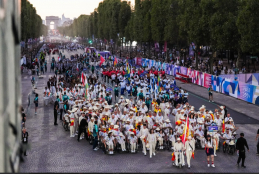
207	80
139	61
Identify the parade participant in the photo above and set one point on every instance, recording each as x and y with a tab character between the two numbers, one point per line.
143	134
95	135
133	142
109	141
72	122
178	150
151	140
36	102
210	151
189	150
200	136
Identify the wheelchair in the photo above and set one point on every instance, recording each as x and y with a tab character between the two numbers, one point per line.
229	148
168	146
180	164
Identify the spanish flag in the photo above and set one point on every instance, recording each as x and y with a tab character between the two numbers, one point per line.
173	156
193	155
223	126
203	116
212	116
224	143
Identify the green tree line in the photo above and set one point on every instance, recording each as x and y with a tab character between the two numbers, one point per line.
31	22
220	24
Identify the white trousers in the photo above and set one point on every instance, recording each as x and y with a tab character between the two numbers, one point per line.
133	146
152	146
110	145
144	146
160	140
188	157
202	140
72	131
122	145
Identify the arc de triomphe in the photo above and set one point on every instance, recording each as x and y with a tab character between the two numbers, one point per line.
50	19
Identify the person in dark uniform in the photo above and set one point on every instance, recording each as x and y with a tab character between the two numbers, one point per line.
82	127
24	139
56	106
240	146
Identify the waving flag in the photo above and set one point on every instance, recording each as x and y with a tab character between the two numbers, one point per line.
223	126
115	61
193	155
101	60
212	116
173	157
158	83
186	131
83	79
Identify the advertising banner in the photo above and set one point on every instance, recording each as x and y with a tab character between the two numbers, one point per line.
206	80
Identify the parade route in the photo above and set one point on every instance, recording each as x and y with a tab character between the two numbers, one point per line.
52	150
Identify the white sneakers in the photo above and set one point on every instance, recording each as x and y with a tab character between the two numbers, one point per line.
96	148
150	156
154	154
211	165
215	154
145	154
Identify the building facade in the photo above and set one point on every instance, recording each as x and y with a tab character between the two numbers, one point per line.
10	80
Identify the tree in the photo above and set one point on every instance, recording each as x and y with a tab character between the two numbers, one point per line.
247	24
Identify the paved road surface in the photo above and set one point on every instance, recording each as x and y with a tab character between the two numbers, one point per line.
52	150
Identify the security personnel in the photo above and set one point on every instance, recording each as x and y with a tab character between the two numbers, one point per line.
24	139
240	146
82	127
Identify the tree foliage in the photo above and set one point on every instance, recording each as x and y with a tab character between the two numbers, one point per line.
220	24
31	22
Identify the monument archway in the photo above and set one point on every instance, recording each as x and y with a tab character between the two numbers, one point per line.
50	19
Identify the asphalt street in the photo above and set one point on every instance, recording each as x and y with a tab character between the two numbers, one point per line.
52	150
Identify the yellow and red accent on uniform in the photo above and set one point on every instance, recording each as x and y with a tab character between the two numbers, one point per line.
133	130
178	122
72	122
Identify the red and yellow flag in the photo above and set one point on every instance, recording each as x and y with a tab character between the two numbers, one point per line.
193	155
173	156
212	116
